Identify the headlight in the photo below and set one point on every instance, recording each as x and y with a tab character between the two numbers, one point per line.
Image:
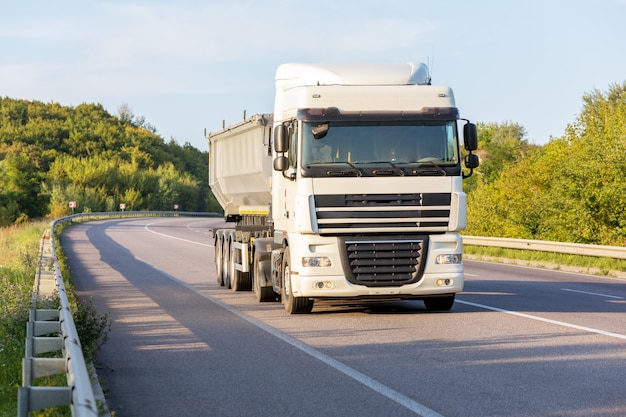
316	261
449	258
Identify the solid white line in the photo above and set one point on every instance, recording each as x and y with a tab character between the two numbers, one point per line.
556	322
147	228
593	293
414	406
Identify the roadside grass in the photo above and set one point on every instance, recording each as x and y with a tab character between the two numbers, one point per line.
558	261
19	249
19	246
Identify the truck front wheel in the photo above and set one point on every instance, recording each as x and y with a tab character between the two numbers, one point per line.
293	304
439	303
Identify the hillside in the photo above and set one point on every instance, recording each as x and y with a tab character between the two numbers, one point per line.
52	154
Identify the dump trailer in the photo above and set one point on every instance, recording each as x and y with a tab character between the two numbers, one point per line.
350	190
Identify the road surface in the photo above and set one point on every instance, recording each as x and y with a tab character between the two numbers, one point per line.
518	342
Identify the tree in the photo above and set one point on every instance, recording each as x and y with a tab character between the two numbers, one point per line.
499	146
572	189
590	179
20	185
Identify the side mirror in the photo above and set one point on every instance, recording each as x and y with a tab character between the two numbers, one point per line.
281	140
471	161
281	163
470	137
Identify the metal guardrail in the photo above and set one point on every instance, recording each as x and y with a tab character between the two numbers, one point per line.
617	252
53	330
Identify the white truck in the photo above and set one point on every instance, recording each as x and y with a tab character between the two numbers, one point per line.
351	189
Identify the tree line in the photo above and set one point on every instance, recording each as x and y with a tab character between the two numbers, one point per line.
52	154
572	189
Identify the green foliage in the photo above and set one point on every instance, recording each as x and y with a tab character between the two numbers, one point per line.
570	190
14	296
93	329
499	146
52	154
18	250
20	184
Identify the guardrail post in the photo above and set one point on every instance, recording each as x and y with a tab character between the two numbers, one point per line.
36	398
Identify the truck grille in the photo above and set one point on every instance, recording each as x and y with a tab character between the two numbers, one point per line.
386	213
385	260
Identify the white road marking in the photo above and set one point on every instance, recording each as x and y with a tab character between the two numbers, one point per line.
147	228
593	293
556	322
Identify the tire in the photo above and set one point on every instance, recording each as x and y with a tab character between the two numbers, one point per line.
239	281
219	260
265	293
439	303
293	305
226	262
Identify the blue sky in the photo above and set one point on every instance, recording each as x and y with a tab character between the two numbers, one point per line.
187	65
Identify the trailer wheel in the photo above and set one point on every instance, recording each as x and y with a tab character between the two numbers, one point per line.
262	293
226	262
239	281
293	305
219	259
439	303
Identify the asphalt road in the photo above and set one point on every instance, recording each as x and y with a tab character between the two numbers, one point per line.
518	342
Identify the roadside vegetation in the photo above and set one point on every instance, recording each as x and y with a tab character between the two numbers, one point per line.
19	249
573	189
19	246
51	155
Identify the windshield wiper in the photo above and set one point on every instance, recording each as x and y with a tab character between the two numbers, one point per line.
425	170
358	170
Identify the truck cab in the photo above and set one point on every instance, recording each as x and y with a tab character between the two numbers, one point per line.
367	197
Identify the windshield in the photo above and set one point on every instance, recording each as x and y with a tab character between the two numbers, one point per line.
395	143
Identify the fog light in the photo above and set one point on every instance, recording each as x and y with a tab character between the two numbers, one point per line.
449	258
324	285
445	282
316	261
